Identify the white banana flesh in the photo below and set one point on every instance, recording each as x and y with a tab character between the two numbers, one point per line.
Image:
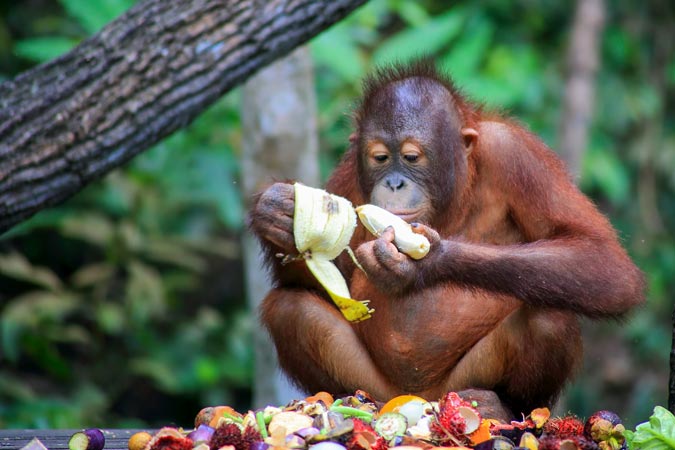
377	219
323	225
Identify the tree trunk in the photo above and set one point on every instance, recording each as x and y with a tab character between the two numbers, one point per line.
583	61
66	123
279	120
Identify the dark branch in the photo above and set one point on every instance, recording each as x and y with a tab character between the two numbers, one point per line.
66	123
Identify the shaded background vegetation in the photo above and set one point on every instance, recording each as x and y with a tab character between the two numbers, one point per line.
125	306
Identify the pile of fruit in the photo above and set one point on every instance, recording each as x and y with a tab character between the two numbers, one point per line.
407	422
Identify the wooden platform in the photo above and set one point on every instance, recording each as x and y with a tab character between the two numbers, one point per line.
58	439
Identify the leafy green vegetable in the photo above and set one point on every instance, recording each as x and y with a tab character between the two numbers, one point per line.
657	434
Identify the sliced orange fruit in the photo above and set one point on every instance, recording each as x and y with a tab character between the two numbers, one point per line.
395	403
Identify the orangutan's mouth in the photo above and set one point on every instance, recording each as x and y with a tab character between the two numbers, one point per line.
409	215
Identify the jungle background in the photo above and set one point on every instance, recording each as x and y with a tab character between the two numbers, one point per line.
125	306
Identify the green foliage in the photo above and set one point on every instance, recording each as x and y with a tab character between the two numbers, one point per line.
43	48
93	16
121	277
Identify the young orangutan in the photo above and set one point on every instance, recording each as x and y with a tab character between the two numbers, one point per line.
518	255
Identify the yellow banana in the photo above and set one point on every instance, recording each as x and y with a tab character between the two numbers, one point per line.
377	219
323	225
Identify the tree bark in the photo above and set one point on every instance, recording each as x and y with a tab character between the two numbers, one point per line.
583	61
66	123
279	120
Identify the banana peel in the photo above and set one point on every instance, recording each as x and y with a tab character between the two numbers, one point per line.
323	225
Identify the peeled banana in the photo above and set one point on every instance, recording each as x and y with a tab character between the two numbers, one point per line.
323	225
377	219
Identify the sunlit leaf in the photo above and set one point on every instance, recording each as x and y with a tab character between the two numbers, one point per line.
29	312
425	39
93	15
602	168
15	388
15	265
92	274
43	48
69	333
335	50
515	70
33	307
111	318
468	51
223	247
168	251
158	371
413	13
144	291
90	227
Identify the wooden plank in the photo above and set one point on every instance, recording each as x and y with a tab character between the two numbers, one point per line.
58	439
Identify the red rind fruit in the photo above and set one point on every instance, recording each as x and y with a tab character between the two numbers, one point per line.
228	434
231	434
364	437
451	423
563	427
171	443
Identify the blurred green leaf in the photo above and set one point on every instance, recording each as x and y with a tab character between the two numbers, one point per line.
337	51
35	307
144	292
602	168
169	251
92	274
413	13
426	39
91	227
43	48
160	372
32	311
15	265
110	317
469	50
94	15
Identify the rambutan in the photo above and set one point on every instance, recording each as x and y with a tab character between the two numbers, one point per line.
563	427
172	443
250	436
228	434
169	438
456	418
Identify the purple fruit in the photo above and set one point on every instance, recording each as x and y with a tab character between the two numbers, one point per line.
308	432
203	433
610	416
258	445
90	439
